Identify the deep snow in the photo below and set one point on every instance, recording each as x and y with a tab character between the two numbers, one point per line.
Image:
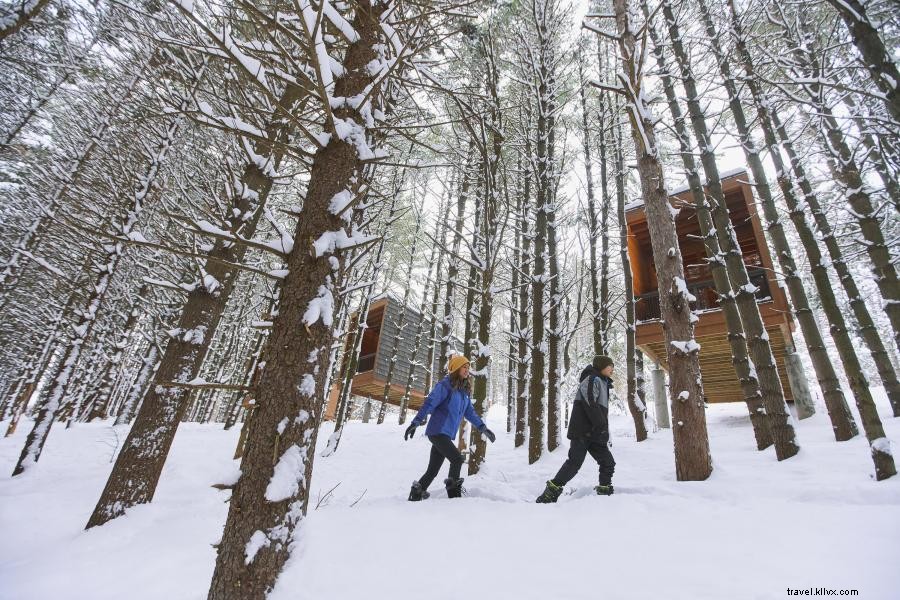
754	529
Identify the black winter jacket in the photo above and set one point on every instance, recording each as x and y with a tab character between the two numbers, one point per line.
590	410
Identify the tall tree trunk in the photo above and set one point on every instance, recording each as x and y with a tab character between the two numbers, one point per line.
842	421
635	405
593	233
879	445
867	330
875	56
692	458
779	420
453	270
135	475
401	322
271	497
56	392
524	339
39	365
740	359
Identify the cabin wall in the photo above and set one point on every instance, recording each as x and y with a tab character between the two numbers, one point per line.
391	335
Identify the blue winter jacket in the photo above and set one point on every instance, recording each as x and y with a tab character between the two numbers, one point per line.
449	407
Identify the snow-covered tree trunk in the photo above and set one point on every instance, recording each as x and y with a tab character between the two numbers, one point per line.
37	366
592	226
434	266
100	406
435	304
491	136
149	363
138	466
635	405
692	458
401	323
780	423
875	56
345	402
453	269
270	498
866	325
740	359
841	420
56	392
524	339
878	443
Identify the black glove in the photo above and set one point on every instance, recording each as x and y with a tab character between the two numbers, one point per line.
489	434
410	431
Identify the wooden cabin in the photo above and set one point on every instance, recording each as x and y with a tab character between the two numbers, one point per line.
720	384
379	337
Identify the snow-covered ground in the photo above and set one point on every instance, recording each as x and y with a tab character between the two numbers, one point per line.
754	529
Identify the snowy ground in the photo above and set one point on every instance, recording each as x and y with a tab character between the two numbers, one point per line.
755	529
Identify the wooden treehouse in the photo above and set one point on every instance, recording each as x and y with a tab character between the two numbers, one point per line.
720	383
379	337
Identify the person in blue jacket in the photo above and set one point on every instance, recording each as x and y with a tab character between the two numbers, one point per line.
448	403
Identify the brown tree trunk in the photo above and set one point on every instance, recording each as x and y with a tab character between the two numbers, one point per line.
692	458
875	56
282	436
867	330
635	406
524	340
593	233
740	359
136	472
781	425
842	421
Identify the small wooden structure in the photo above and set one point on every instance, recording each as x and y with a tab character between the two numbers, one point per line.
379	337
720	384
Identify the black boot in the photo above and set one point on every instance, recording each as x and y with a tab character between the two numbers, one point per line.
550	494
416	492
454	487
604	490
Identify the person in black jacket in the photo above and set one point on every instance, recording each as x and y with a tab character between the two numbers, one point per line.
588	430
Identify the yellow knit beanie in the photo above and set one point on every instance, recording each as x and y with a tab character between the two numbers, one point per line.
456	362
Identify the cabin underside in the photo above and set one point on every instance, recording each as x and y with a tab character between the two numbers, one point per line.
369	386
720	384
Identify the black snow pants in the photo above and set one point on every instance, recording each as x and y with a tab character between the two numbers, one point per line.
577	452
441	447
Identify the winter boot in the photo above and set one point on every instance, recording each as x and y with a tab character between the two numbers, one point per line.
416	492
604	490
550	494
454	487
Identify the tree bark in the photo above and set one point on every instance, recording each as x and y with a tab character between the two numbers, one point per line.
282	435
875	56
692	458
635	406
867	330
780	424
842	421
136	472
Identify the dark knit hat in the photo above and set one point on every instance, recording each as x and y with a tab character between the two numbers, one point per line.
601	362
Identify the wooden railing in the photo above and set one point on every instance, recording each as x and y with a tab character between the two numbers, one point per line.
646	306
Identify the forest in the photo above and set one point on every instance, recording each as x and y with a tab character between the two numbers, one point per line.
276	221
